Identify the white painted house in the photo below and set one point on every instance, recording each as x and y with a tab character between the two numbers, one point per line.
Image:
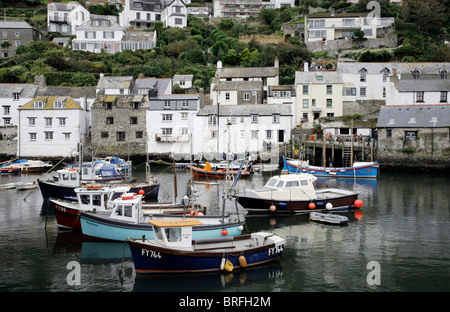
243	85
329	27
318	94
143	14
253	128
12	96
66	17
171	124
100	33
175	14
50	127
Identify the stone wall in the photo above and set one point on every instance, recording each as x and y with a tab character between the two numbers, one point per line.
333	47
431	149
8	140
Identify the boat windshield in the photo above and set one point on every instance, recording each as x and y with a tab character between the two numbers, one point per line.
272	182
280	184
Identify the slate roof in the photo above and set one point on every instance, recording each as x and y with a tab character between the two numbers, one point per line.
15	24
238	85
25	90
49	100
247	72
115	82
73	92
412	85
162	84
302	77
402	68
246	110
414	116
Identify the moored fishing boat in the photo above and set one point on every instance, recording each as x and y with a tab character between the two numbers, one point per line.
127	219
357	170
208	172
65	182
102	198
25	165
175	249
295	193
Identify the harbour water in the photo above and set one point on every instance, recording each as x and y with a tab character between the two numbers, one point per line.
398	242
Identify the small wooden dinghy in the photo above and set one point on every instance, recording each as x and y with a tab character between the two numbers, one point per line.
328	218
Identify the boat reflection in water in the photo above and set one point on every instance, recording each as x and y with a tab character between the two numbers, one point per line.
207	282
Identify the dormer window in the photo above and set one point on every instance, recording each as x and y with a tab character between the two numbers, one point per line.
363	74
138	4
385	73
58	104
16	95
38	104
415	73
443	74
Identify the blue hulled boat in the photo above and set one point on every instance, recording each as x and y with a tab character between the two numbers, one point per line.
175	249
65	181
358	170
127	219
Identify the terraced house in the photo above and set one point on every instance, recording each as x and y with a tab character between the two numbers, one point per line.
50	126
119	124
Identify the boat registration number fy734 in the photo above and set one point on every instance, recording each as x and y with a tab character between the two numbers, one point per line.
151	253
275	250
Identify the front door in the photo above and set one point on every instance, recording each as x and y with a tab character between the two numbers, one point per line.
280	136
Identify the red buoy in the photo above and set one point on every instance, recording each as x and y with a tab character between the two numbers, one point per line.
272	208
311	206
141	192
224	232
358	203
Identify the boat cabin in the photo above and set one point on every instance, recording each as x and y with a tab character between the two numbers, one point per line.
92	198
69	177
174	232
290	187
128	207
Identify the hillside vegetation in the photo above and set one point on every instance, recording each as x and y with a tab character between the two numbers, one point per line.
422	27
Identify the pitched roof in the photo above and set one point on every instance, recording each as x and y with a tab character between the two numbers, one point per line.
320	77
401	68
25	90
247	72
49	101
414	116
238	85
412	85
73	92
115	82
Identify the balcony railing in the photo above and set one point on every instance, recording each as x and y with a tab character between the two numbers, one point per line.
167	138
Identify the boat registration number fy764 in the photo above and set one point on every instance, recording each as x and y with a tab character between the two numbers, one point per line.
275	250
151	253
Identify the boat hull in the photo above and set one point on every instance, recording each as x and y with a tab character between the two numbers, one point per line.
156	259
202	173
369	170
263	205
104	228
5	171
52	189
66	217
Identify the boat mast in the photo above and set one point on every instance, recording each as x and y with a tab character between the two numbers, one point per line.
351	147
